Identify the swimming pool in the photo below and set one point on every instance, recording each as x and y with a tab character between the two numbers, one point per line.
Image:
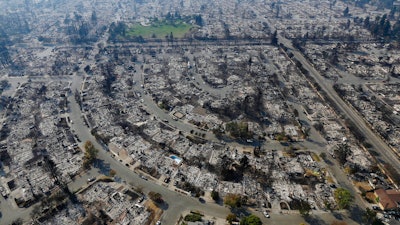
176	159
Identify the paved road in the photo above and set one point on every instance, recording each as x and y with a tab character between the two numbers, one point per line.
10	212
387	154
176	202
162	115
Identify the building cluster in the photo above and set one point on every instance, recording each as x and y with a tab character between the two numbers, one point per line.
377	102
103	202
37	141
161	103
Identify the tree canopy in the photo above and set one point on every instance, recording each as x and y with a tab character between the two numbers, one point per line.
250	220
343	198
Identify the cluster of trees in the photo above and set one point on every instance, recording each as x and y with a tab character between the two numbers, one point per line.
117	31
247	220
79	29
172	18
193	217
250	220
381	26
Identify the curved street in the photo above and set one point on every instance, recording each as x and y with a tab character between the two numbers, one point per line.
176	202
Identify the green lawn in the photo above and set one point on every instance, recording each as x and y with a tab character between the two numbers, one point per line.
160	30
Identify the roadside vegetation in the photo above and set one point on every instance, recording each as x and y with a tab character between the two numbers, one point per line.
343	198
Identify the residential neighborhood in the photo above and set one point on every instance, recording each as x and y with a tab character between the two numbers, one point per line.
199	112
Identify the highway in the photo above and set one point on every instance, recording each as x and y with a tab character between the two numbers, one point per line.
387	155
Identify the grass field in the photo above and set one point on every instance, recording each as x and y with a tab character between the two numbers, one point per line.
160	29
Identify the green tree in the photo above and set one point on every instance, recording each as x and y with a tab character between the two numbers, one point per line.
250	220
343	198
192	217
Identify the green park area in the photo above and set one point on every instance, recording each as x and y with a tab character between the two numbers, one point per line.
160	29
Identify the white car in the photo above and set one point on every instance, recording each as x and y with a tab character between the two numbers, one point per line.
158	223
266	214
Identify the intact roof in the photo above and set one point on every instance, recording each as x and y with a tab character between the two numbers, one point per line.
388	198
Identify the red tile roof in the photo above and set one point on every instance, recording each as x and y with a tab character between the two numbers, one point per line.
388	199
